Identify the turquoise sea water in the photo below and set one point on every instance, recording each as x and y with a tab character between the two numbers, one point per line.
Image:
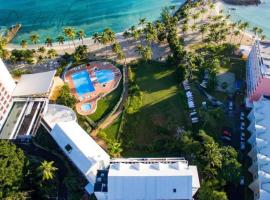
49	17
255	15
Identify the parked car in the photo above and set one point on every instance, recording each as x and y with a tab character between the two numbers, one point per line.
228	139
227	133
230	105
243	134
242	180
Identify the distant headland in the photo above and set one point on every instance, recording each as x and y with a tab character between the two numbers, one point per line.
243	2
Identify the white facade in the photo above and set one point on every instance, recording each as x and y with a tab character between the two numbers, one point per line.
150	179
258	71
7	86
260	153
81	149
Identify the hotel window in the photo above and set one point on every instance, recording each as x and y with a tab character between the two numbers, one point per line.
68	148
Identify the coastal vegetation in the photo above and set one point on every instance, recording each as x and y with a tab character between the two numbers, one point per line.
155	119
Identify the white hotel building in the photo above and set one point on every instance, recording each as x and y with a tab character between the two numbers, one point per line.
7	86
258	71
260	153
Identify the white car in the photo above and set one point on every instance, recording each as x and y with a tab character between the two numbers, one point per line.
230	105
242	180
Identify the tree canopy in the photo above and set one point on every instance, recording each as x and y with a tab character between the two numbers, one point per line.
13	170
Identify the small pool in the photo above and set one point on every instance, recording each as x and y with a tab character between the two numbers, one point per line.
104	75
82	82
86	107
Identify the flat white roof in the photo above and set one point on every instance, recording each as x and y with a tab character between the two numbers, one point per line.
152	181
34	84
81	149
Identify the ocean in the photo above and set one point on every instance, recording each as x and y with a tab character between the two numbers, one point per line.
47	18
256	15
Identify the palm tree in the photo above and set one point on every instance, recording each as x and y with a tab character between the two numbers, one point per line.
46	170
263	37
60	39
203	29
70	34
81	35
41	50
140	49
52	53
147	53
126	34
24	44
243	28
48	42
236	33
110	34
193	27
97	38
34	38
115	148
142	21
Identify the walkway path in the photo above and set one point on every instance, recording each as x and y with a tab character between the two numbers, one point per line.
115	115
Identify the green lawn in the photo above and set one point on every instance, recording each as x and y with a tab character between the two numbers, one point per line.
112	130
163	108
106	104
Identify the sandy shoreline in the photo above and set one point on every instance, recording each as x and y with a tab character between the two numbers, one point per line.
128	48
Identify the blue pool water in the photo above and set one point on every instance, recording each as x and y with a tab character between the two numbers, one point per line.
49	17
82	82
104	75
86	107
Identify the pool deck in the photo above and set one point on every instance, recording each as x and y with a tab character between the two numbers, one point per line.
101	90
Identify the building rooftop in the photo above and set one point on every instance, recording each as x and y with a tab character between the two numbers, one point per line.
38	84
81	149
153	180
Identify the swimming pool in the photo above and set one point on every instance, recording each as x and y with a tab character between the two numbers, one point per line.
104	75
82	83
86	107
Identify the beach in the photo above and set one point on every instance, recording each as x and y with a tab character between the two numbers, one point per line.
160	50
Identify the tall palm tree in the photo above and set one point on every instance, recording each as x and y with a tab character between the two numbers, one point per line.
46	170
97	38
243	28
34	38
203	29
147	53
110	34
142	21
48	42
81	35
60	39
70	34
24	44
126	34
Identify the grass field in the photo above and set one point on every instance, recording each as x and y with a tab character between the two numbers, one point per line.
163	108
106	104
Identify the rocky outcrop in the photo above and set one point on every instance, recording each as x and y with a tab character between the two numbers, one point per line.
243	2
